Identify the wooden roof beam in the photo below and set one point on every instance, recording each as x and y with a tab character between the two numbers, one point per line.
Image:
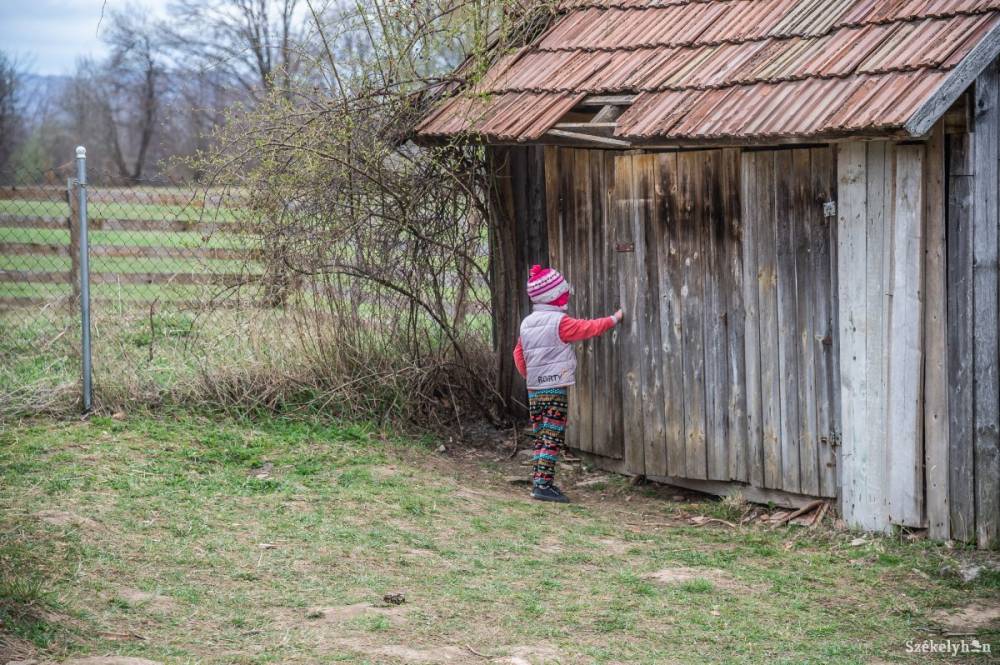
590	128
588	140
609	113
604	100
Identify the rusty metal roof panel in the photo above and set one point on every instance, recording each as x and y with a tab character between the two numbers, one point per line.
726	68
505	117
748	20
840	53
910	10
812	17
805	108
925	43
970	41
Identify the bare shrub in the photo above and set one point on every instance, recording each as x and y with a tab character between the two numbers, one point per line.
375	248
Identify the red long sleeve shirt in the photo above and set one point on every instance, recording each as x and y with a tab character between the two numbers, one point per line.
570	330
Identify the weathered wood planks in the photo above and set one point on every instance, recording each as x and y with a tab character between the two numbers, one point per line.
597	284
668	258
580	267
766	280
858	505
518	237
717	387
881	239
733	316
632	337
904	342
692	275
961	479
676	239
611	397
788	291
581	236
985	385
770	345
936	341
750	192
788	210
807	217
646	174
824	338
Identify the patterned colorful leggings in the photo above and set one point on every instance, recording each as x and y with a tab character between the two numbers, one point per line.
548	410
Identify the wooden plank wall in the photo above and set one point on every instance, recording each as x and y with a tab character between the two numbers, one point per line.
936	406
792	392
973	400
881	262
582	226
518	239
660	237
985	386
726	321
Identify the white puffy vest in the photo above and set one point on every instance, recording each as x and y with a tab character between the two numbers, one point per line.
551	362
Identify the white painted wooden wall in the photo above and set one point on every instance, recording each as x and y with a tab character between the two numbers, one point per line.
880	294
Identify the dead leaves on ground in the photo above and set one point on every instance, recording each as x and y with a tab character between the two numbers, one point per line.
809	515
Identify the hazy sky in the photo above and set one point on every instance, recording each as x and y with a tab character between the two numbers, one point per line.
49	35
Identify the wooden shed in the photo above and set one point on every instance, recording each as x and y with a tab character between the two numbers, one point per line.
796	203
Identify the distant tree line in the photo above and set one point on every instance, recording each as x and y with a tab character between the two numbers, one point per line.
159	95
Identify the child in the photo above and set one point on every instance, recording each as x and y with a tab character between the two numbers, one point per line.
544	357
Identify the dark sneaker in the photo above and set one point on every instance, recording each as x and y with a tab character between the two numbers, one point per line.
550	493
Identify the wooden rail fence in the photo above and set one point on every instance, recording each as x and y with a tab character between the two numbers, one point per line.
198	272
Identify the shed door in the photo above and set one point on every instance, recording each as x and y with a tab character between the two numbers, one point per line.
789	287
679	273
724	368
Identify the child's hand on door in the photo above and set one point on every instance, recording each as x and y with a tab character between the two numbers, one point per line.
618	316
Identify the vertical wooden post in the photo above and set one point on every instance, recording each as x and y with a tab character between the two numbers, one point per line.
986	388
861	461
632	335
74	241
904	343
961	490
750	164
936	342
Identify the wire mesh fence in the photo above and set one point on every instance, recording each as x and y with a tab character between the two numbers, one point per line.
171	276
39	318
234	299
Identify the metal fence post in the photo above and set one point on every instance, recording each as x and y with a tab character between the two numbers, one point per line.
81	192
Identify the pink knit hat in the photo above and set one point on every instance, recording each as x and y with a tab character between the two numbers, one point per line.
546	285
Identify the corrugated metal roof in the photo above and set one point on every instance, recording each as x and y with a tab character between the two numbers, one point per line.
723	69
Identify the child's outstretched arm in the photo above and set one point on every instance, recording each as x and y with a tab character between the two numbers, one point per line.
577	330
519	363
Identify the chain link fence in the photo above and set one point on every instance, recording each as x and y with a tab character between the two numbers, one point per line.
174	286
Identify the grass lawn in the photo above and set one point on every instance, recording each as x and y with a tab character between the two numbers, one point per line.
187	540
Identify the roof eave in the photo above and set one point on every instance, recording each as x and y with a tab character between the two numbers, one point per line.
957	82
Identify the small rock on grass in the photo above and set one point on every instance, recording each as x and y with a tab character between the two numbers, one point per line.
593	482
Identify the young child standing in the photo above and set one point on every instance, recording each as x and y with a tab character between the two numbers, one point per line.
546	360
